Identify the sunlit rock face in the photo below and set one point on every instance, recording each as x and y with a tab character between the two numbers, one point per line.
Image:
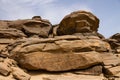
70	50
78	21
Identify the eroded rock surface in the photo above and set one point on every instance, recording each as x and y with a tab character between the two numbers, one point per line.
115	42
78	21
70	50
59	62
11	71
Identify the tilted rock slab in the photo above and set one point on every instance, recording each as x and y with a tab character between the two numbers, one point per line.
68	43
58	62
11	33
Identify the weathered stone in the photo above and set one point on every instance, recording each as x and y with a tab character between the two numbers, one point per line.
3	24
10	62
11	33
84	27
17	24
38	18
54	29
6	41
58	62
36	75
51	47
58	44
74	22
67	37
114	71
71	50
89	35
19	74
95	70
2	46
4	69
116	36
6	77
31	48
32	27
73	77
110	59
114	42
37	27
84	45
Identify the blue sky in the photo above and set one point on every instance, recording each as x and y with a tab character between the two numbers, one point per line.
108	11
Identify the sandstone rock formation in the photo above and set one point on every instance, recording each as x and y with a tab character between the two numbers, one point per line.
8	67
78	21
114	41
34	49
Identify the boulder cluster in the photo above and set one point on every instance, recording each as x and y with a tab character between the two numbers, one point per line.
70	50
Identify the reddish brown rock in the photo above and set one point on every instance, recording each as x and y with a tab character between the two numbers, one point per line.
77	21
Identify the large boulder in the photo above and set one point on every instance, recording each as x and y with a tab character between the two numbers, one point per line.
58	62
78	21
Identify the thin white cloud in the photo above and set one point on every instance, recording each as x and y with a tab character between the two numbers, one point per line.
19	9
56	14
13	10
